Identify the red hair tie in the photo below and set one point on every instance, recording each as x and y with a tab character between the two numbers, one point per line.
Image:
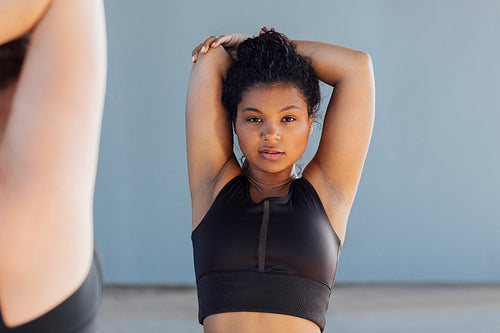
261	32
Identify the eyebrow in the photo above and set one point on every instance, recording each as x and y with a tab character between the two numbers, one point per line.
286	108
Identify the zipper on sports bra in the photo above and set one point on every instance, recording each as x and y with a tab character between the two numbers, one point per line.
263	237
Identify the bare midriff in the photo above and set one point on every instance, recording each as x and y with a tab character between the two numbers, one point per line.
257	322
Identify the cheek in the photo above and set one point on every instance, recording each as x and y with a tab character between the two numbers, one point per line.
301	136
245	139
302	144
299	143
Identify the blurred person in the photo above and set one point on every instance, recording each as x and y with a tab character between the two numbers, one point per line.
52	83
266	242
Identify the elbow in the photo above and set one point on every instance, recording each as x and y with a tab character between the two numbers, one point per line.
361	65
363	61
217	60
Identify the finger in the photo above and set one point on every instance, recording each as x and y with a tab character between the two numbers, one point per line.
195	53
206	44
201	49
224	39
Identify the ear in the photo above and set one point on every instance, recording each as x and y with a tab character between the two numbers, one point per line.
311	122
234	128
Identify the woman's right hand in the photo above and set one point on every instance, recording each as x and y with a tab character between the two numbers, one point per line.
229	41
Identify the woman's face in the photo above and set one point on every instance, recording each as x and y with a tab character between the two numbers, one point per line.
273	127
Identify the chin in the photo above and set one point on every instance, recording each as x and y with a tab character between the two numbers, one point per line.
275	169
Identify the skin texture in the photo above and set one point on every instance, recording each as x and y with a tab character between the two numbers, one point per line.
48	153
334	171
257	322
6	97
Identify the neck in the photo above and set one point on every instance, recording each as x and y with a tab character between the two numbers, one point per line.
264	184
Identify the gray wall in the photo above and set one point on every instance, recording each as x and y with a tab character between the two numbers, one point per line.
427	206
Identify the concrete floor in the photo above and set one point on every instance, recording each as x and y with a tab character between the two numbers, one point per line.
353	308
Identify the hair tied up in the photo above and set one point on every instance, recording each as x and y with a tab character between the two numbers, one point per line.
267	59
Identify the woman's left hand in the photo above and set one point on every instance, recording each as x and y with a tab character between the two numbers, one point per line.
229	41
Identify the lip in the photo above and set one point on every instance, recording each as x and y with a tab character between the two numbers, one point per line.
271	154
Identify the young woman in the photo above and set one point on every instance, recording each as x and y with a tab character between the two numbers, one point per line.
266	243
52	82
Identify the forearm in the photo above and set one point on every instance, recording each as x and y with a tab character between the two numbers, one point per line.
333	63
18	17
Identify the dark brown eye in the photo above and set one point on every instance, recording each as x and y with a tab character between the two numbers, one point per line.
253	119
288	119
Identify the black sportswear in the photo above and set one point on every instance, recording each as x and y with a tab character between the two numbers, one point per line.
277	256
77	314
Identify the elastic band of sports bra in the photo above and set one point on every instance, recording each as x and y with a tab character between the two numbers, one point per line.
263	292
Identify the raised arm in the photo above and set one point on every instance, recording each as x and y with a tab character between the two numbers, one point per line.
48	153
55	117
209	135
336	168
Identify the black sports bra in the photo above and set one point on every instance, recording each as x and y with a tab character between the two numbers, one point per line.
77	314
276	256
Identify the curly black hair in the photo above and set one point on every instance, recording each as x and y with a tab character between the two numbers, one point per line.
12	56
268	59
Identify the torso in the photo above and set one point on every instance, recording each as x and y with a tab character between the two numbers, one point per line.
335	207
257	322
251	321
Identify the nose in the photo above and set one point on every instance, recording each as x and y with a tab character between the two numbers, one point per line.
270	132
